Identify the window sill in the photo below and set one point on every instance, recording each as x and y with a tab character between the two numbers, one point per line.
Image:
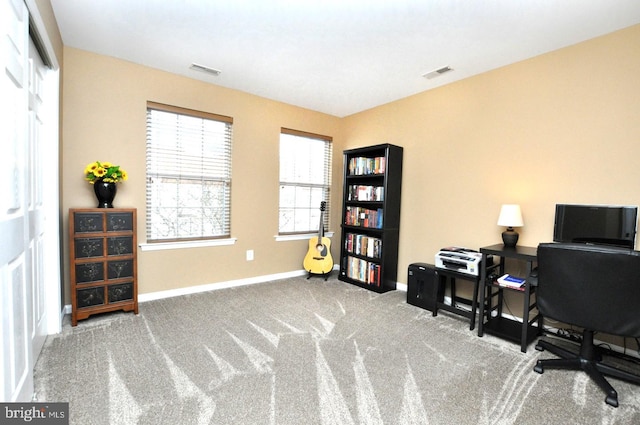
305	236
188	244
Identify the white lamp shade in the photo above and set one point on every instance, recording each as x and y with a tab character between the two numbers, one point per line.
510	216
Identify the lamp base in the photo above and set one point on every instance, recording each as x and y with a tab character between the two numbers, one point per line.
510	237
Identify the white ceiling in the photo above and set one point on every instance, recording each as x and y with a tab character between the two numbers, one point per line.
334	56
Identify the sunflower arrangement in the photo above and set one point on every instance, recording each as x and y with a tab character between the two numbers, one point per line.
106	171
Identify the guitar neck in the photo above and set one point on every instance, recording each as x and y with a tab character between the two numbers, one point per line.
321	227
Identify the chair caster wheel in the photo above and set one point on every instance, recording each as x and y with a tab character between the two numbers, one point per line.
538	368
612	398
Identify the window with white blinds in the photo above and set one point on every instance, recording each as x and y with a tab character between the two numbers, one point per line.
188	174
305	181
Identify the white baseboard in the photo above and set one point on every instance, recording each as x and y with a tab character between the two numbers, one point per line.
221	285
208	287
214	286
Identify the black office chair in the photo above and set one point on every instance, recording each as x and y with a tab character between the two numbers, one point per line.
596	288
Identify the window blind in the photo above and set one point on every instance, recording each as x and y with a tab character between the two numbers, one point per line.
188	174
305	181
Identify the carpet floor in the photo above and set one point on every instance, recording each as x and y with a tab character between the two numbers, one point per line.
298	351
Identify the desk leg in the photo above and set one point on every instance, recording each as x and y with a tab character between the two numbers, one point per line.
452	280
474	304
525	311
440	286
483	292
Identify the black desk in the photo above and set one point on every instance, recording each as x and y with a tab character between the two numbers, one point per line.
523	332
442	276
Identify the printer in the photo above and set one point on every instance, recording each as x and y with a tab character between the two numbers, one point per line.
462	260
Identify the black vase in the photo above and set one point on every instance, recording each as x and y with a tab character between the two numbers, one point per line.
105	192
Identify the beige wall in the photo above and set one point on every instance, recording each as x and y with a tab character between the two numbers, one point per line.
562	127
104	103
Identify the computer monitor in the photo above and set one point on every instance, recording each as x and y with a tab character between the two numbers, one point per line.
596	224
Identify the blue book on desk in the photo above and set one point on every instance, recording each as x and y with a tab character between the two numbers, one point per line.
510	281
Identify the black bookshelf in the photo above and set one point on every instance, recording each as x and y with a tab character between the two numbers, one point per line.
371	217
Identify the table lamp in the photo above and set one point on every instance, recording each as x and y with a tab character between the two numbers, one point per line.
510	217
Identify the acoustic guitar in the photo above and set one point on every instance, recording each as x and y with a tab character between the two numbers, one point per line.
318	259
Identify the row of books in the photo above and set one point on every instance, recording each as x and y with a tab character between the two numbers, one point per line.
358	216
510	281
365	193
360	166
363	245
362	270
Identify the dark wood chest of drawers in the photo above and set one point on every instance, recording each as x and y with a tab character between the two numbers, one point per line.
103	261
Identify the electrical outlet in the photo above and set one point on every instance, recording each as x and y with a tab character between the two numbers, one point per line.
250	255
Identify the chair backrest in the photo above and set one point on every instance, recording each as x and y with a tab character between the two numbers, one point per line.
593	287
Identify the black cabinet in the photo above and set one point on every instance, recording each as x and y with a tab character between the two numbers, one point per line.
371	217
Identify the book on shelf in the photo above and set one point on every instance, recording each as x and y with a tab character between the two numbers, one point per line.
363	245
358	216
362	270
362	166
510	281
365	193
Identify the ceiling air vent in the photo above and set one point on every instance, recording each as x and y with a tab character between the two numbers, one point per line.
437	72
205	69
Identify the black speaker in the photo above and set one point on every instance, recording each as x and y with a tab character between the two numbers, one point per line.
423	286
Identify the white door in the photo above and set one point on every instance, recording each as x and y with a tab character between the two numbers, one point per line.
37	212
26	276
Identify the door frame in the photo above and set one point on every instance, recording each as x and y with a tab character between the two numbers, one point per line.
51	189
